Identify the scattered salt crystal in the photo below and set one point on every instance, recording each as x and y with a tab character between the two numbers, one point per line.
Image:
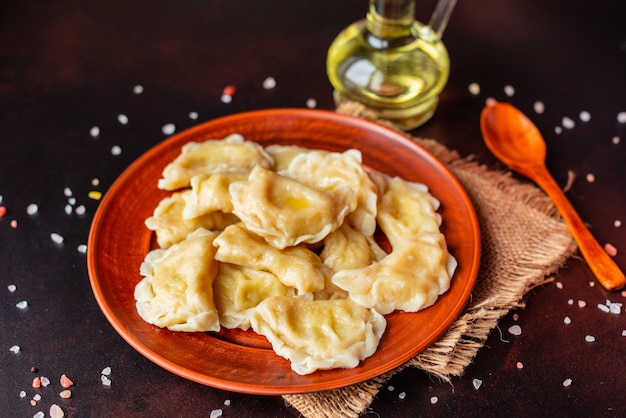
570	301
559	285
216	413
474	88
94	132
67	192
590	338
80	210
168	128
603	307
105	380
39	415
391	388
68	209
13	223
509	90
621	117
225	98
558	130
610	249
1	198
116	150
122	118
33	402
138	89
311	103
56	238
193	115
12	288
616	140
37	397
106	371
401	395
585	116
568	123
269	83
32	209
567	320
15	349
66	394
229	90
227	402
82	248
56	411
515	330
582	303
592	284
22	394
477	383
490	101
615	308
22	305
65	381
515	317
567	382
519	365
95	181
44	381
624	333
590	178
539	107
71	201
617	223
434	400
36	382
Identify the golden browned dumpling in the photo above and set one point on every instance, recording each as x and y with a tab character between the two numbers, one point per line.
296	267
176	292
285	212
232	153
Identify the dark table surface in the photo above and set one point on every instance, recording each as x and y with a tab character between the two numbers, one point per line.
67	66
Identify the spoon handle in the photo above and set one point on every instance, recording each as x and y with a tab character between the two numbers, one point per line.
606	271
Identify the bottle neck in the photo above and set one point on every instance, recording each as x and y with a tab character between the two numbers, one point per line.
390	18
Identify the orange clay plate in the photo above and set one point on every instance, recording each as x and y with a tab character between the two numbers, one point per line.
242	361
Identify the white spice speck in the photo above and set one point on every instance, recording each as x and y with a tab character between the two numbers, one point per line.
226	98
37	397
106	371
515	330
311	103
585	116
401	395
590	177
617	223
44	381
615	308
138	89
474	88
94	132
122	118
567	320
56	411
590	338
193	115
559	285
269	83
624	333
227	402
56	238
603	307
568	123
105	380
621	117
82	248
67	192
558	130
477	383
22	393
32	209
39	415
434	400
567	382
71	201
68	209
80	210
15	349
615	140
216	413
21	305
539	107
509	90
168	128
116	150
12	288
391	388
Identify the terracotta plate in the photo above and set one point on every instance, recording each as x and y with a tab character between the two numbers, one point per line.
243	361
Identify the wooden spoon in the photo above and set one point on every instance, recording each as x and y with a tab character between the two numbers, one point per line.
516	141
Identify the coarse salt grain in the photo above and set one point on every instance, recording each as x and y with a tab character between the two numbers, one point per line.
567	382
32	209
106	371
401	395
122	118
82	248
65	381
12	288
490	101
94	132
227	402
39	415
477	383
21	305
311	103
138	89
229	90
615	140
592	284
216	413
568	123
615	308
193	115
95	181
519	365
509	90
80	210
515	330
567	320
558	130
45	381
434	400
391	388
226	98
15	349
37	397
539	107
617	223
56	411
603	308
68	209
36	382
590	178
116	150
22	393
105	381
168	128
474	88
582	303
610	249
65	394
269	83
624	333
584	116
3	211
56	238
621	117
559	285
590	338
13	223
67	192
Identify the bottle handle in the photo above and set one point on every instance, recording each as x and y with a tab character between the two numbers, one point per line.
441	16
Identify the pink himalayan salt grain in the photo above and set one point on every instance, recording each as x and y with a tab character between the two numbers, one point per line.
66	382
567	382
616	140
509	90
36	382
56	411
3	211
591	178
610	249
229	90
490	101
434	400
95	181
519	365
13	224
617	223
559	285
66	394
582	303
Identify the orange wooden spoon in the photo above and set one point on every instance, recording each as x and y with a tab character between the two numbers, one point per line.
517	142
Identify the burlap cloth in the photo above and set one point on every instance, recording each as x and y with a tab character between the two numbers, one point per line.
524	241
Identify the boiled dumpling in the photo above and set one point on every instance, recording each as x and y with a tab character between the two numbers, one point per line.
347	248
284	154
238	290
170	227
328	171
232	153
176	292
296	267
285	212
210	194
321	334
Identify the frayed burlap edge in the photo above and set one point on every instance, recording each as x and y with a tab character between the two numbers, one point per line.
499	287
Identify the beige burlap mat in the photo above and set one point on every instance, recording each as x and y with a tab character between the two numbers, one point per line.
524	241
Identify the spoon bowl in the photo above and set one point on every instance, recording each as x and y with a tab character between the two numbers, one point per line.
517	142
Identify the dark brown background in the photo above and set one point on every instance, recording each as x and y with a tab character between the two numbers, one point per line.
66	66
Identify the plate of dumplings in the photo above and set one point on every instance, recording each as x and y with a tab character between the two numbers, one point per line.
283	251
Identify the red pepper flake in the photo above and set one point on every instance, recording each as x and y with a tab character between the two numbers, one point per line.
37	382
3	211
65	381
229	90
